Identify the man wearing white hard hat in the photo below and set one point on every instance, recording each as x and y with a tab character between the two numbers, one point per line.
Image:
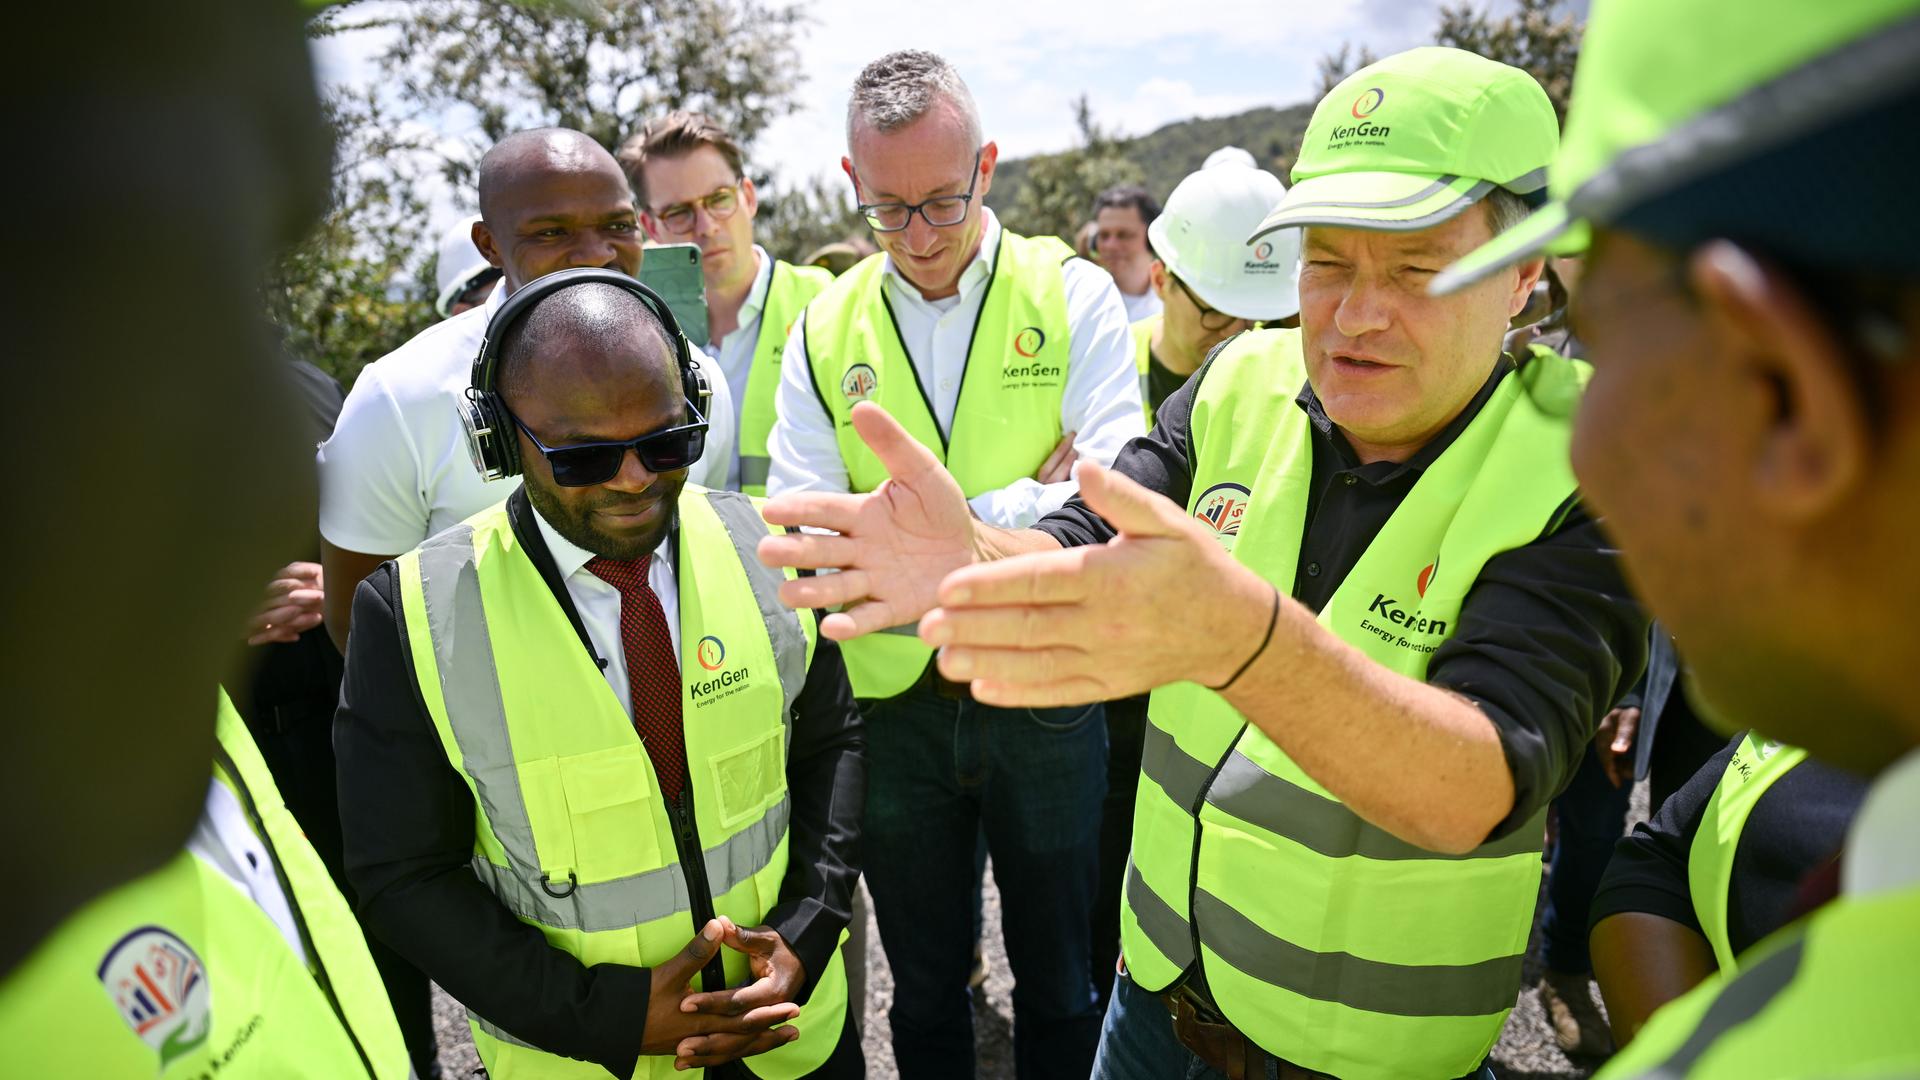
463	276
1212	282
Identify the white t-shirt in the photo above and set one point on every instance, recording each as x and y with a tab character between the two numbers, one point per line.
1139	307
397	469
1100	402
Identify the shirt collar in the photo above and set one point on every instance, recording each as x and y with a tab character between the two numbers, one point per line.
1881	855
1383	472
762	282
568	557
977	272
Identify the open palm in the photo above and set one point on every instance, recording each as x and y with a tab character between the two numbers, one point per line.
894	544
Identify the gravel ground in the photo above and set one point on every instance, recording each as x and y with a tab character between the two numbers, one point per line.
1526	1050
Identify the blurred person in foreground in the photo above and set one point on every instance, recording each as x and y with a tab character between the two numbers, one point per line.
1751	301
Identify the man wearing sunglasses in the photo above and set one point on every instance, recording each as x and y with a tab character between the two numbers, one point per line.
686	171
396	469
1351	563
1006	356
1212	281
495	680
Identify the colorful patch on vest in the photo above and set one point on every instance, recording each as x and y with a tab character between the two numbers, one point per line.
161	989
859	383
1222	508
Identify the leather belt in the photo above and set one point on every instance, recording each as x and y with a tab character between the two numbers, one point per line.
1207	1034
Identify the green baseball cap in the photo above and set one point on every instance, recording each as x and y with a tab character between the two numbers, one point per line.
1411	141
1669	93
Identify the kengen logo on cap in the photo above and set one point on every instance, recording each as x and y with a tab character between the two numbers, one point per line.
1365	104
1262	251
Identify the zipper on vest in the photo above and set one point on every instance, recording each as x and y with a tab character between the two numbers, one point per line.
700	892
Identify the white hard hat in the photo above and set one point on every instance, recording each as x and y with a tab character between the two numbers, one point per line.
1202	233
459	263
1230	155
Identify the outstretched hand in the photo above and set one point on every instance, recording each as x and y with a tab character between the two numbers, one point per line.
1159	603
894	544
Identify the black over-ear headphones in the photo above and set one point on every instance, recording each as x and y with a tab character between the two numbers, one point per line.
491	436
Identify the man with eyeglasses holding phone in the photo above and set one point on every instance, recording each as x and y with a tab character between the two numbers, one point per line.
687	176
672	901
1008	358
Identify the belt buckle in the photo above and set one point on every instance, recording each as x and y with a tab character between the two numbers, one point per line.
1206	1033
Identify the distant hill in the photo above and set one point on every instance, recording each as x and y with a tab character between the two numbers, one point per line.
1169	153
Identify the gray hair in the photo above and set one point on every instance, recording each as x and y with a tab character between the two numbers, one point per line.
1505	210
903	86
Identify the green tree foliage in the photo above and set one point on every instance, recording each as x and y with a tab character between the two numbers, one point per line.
362	284
1057	192
796	221
1337	65
1539	37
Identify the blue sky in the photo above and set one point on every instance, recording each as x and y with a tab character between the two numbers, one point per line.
1140	64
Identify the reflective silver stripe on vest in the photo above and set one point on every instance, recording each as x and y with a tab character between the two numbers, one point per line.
1181	775
499	1032
1162	925
1375	986
755	469
1248	792
1740	1001
463	653
746	529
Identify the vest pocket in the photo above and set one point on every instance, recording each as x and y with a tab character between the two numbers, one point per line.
610	807
748	779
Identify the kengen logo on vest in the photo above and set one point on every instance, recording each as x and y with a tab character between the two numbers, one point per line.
1395	622
711	654
158	984
1027	345
1222	508
859	383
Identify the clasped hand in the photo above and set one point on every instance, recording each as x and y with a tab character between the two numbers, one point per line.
705	1029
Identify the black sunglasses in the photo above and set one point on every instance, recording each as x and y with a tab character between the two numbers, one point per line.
587	464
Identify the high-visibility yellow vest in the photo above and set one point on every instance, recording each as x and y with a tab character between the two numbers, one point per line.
179	974
572	832
1143	359
1756	764
1007	420
1324	939
1831	995
789	289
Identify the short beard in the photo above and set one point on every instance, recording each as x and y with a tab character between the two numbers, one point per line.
577	526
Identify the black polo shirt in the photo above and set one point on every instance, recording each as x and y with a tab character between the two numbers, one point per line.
1547	639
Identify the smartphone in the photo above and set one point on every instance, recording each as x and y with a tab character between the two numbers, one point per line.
673	271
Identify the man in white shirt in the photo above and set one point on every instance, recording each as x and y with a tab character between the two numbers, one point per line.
397	469
1009	358
1120	219
687	175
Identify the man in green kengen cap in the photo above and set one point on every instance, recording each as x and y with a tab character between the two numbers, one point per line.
1752	305
1352	566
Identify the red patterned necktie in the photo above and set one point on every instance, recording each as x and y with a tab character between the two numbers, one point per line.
653	672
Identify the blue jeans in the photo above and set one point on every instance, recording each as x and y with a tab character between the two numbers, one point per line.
939	773
1137	1043
1592	814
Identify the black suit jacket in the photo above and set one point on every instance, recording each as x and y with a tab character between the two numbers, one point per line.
408	819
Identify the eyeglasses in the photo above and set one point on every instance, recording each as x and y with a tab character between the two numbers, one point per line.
720	205
1211	319
587	464
941	212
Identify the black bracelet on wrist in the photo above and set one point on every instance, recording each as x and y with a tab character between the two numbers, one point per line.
1273	619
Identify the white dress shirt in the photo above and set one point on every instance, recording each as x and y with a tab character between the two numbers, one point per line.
1100	402
1140	307
1881	855
599	604
734	354
397	469
224	839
